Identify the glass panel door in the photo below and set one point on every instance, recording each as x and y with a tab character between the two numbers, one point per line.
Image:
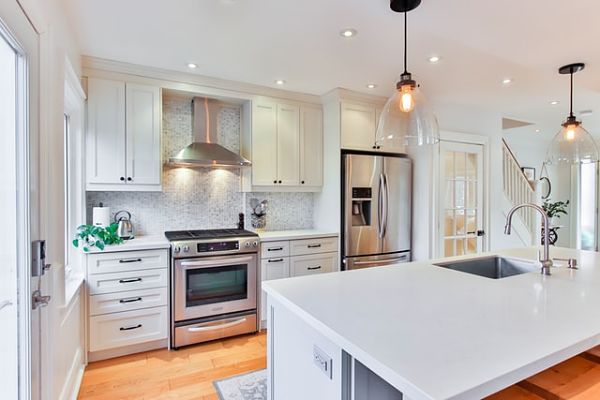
216	284
461	199
587	237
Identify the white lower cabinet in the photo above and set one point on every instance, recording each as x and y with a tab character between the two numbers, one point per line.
128	328
127	302
290	258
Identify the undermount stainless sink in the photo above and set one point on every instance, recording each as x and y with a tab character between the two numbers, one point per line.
494	267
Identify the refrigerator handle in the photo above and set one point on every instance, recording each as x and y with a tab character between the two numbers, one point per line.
380	207
385	206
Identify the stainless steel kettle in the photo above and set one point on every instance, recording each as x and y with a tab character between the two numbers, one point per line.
125	228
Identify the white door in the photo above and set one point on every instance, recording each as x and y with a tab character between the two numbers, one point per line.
264	144
311	146
105	137
288	145
143	134
461	199
20	374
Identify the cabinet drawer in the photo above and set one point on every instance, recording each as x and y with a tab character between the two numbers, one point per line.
313	264
127	301
313	246
275	268
275	249
124	281
127	328
123	261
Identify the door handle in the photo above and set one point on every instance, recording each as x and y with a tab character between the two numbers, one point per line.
314	246
313	268
131	260
37	300
382	262
277	260
385	206
5	303
275	249
380	208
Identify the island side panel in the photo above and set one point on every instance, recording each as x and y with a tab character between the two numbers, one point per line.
293	373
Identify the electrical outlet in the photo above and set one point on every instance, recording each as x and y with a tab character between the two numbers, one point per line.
323	362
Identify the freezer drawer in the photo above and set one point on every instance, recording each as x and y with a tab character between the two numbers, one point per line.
217	329
376	261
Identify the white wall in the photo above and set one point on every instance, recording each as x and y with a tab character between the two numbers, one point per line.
63	338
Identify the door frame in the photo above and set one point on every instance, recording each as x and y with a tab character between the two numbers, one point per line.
461	138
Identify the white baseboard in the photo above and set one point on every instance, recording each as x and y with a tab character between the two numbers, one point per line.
70	389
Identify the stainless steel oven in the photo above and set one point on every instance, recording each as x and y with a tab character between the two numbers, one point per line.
210	286
214	285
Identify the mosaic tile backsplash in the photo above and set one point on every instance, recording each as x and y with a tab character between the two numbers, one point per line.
201	198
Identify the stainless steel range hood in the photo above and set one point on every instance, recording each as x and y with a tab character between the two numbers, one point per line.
204	151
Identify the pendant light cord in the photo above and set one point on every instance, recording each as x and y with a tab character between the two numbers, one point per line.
571	111
405	42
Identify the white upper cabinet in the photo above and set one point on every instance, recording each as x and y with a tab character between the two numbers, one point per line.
311	146
123	149
105	138
264	143
287	147
358	126
143	134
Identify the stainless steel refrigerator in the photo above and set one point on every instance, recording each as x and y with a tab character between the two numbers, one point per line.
376	209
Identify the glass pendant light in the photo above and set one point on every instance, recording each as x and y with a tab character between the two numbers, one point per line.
406	119
572	144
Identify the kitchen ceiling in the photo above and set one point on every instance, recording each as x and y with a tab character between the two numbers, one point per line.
259	41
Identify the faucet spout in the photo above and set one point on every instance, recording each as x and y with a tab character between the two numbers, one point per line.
546	261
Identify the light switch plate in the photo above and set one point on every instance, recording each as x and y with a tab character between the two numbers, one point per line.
323	362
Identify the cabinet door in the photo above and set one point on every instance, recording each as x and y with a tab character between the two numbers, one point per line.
105	138
288	145
144	163
311	147
358	126
272	268
264	144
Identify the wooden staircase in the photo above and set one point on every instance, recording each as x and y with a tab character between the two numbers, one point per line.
578	378
518	190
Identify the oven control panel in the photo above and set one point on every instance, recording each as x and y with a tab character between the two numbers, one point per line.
186	249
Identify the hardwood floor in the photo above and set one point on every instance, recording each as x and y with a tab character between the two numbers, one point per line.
184	374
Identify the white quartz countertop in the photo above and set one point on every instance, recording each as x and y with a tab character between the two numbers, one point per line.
137	243
272	236
434	333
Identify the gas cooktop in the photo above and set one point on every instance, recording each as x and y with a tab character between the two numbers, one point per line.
204	234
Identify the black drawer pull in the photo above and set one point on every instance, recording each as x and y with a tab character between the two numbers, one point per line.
314	246
130	280
276	260
275	249
131	260
313	268
130	328
125	301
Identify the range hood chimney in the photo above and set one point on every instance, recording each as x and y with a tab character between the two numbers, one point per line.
204	150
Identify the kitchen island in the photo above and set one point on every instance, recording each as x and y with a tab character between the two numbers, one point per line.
419	331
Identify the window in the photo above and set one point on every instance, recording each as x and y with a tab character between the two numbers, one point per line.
588	199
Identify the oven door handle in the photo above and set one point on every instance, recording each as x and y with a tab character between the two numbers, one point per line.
215	263
217	326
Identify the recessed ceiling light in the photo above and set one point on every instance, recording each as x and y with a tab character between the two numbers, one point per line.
537	131
371	86
192	65
507	81
434	59
348	32
279	82
554	102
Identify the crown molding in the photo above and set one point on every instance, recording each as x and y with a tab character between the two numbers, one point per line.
187	82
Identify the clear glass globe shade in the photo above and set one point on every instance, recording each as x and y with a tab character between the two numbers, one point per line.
572	145
416	127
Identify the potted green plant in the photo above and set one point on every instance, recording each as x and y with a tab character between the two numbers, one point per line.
89	236
554	210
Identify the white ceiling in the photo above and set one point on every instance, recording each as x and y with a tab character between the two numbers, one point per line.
257	41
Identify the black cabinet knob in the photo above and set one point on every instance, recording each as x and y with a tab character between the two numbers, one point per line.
275	181
129	179
302	182
279	181
122	178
